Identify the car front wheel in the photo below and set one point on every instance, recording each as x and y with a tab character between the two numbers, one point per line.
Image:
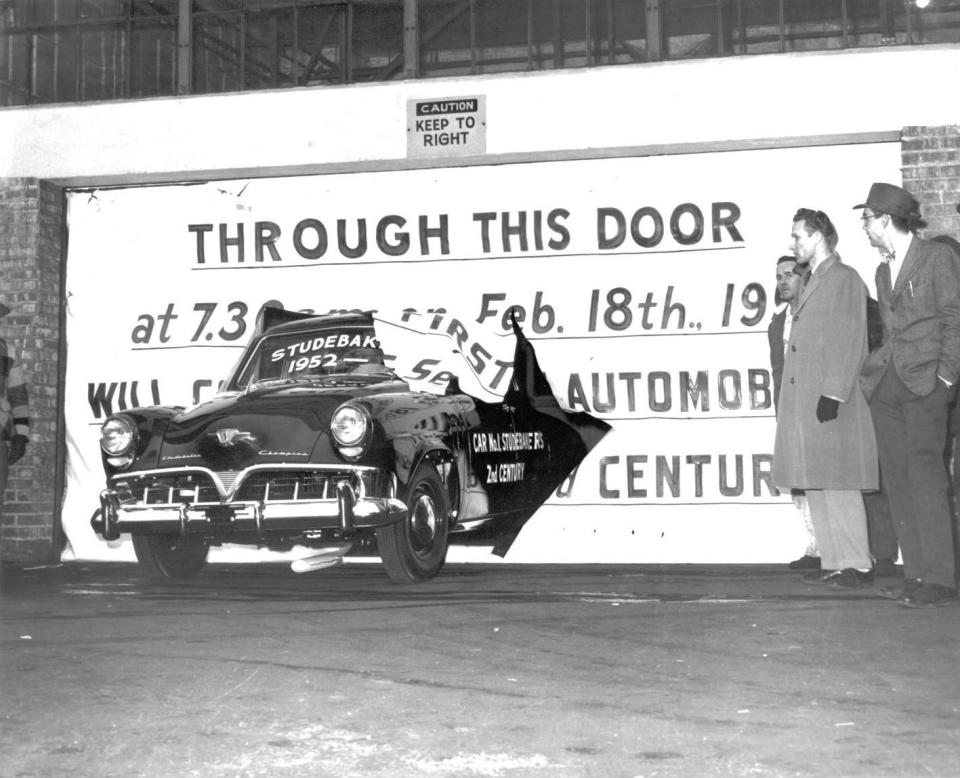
170	556
413	550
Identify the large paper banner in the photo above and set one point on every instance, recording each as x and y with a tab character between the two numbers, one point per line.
646	285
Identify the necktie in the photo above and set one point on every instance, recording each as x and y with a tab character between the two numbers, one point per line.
884	272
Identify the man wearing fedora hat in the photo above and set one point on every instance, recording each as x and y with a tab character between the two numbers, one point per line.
14	417
910	381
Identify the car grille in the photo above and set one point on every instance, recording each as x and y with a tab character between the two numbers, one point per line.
255	485
298	485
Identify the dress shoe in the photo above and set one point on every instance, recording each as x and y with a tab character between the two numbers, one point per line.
930	596
899	592
806	562
885	568
851	578
819	576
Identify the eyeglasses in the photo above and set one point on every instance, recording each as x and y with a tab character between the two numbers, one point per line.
868	216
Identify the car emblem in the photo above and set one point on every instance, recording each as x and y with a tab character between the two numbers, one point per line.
231	437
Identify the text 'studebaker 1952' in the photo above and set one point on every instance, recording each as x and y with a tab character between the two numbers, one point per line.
315	443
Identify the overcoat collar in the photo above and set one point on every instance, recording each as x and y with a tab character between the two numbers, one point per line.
815	277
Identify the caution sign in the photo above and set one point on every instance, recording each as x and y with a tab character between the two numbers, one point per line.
451	127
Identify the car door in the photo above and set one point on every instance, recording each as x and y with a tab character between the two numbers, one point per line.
492	456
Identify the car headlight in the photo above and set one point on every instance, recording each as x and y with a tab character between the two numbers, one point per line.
118	437
349	426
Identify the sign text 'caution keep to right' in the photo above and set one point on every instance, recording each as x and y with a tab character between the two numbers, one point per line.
453	126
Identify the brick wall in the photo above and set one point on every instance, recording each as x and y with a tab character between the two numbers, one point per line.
31	219
931	172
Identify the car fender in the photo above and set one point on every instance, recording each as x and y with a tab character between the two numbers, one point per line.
151	423
410	453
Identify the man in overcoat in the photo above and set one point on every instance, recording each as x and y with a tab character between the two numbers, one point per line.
790	280
791	277
910	381
825	441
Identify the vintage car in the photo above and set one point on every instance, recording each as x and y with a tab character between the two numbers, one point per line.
315	443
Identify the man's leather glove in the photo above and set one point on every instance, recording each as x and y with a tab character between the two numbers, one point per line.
18	447
827	409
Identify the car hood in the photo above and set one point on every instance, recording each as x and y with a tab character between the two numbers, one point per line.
275	421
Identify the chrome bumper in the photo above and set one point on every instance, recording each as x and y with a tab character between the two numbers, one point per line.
346	511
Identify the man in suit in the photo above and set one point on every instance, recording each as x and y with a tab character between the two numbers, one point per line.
790	280
952	454
883	535
825	442
909	381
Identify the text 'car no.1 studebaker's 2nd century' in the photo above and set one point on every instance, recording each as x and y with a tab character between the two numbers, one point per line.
315	443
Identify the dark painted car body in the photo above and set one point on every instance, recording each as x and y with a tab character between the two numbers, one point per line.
315	443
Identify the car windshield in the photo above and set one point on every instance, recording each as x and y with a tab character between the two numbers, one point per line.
329	351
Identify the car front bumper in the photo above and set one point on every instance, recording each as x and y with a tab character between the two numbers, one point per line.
153	503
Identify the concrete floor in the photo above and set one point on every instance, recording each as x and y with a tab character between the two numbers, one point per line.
495	670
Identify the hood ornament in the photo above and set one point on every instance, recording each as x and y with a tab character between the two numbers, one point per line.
233	437
228	448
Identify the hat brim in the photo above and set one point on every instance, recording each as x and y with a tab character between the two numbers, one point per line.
862	205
